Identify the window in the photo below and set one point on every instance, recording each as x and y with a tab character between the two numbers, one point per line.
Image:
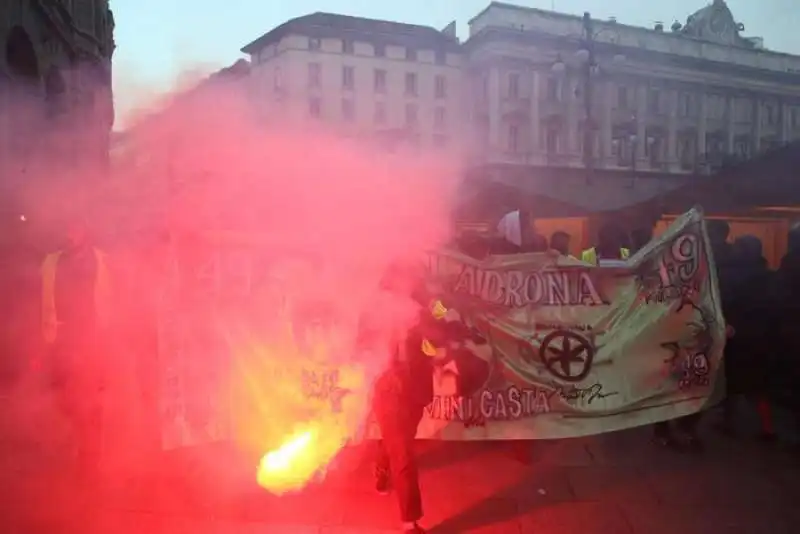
411	84
715	106
513	137
553	90
348	110
654	101
622	97
770	114
741	147
513	85
686	152
379	81
411	54
314	74
348	78
440	88
314	43
380	113
411	115
623	148
654	150
715	144
440	118
743	109
315	107
441	57
685	105
380	50
348	47
551	140
439	140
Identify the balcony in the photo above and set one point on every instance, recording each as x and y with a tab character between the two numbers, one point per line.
552	109
518	107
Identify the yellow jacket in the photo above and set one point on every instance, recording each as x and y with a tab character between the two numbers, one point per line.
101	294
590	255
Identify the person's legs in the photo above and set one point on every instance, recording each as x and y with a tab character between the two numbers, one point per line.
765	416
688	427
398	424
661	429
403	467
382	469
90	437
662	433
83	411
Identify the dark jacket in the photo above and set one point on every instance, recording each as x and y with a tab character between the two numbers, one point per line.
749	304
788	319
724	260
408	379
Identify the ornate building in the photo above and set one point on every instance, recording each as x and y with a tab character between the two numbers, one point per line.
686	98
392	82
56	103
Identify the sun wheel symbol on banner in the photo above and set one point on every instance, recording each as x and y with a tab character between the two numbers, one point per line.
567	355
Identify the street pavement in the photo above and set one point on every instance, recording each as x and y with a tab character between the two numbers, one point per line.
612	484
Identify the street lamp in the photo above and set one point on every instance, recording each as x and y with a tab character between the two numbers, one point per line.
589	69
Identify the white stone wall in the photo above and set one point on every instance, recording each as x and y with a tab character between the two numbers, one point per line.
440	117
701	117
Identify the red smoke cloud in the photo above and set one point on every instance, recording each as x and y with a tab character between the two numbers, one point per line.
325	218
319	218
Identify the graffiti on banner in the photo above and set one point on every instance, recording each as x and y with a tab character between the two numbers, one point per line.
575	349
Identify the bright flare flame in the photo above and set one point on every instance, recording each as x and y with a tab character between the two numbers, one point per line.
281	459
289	466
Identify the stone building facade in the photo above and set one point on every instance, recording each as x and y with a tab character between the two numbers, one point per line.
687	98
56	103
395	82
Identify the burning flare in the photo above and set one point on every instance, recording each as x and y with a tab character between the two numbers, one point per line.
289	466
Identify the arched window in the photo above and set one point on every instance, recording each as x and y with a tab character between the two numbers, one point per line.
21	55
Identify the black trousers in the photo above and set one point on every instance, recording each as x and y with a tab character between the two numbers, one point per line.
398	418
686	424
79	394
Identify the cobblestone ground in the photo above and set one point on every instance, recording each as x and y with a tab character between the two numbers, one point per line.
612	484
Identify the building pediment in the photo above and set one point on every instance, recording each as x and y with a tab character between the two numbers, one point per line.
715	23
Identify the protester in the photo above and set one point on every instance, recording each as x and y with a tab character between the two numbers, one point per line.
400	396
718	234
610	248
560	241
788	307
75	301
750	358
517	235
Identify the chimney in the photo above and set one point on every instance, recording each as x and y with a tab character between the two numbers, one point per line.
450	30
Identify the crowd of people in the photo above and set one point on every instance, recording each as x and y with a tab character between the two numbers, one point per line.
761	305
